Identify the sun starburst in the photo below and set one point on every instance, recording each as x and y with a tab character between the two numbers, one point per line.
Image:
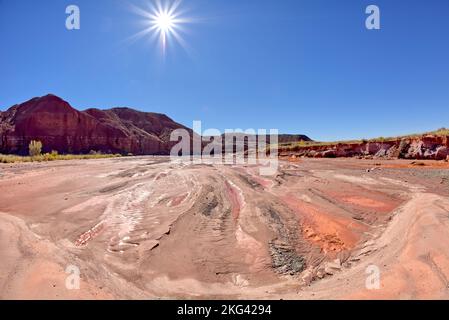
163	21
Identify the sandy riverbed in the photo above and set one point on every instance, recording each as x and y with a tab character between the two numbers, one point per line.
145	228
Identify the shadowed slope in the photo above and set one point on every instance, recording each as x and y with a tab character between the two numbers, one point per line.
67	130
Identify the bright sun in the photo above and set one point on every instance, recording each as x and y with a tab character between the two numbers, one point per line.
163	21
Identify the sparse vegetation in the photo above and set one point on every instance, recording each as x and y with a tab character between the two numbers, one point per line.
53	156
35	148
441	132
35	155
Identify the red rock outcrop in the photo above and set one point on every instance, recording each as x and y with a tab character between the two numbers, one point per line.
64	129
417	147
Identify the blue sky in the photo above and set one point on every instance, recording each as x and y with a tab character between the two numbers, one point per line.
301	66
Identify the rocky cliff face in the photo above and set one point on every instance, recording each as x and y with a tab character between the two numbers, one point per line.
422	147
64	129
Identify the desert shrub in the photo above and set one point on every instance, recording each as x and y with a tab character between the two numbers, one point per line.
53	156
8	158
442	132
95	153
35	148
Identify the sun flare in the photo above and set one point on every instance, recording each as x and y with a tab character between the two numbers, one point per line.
163	21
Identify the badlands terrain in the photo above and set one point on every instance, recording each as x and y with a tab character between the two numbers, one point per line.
147	228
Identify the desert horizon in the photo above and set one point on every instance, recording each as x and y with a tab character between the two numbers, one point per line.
229	158
102	129
206	228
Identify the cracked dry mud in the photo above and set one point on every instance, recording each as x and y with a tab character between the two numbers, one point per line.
146	228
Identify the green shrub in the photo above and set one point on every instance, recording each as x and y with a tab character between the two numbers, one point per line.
35	148
53	156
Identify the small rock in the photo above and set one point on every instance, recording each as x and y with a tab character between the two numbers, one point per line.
320	273
329	271
307	276
332	267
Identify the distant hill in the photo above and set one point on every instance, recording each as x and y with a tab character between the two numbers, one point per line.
62	128
288	138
